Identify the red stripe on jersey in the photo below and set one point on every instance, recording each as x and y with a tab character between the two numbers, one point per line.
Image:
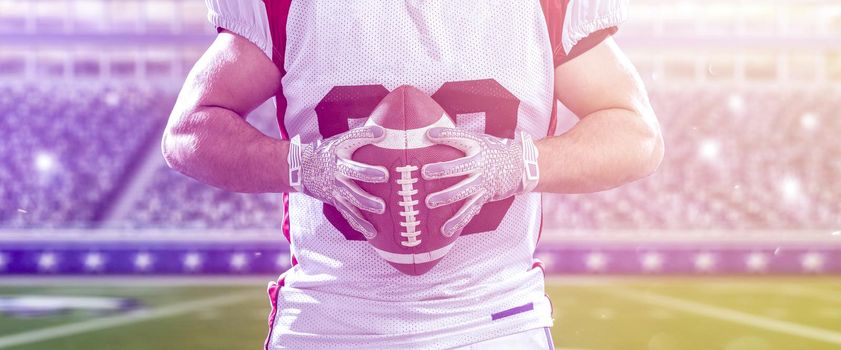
540	229
285	226
555	11
537	263
278	13
273	290
553	119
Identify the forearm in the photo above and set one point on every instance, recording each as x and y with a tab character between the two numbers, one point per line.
605	149
219	148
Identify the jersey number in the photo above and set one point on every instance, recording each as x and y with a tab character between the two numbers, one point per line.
487	96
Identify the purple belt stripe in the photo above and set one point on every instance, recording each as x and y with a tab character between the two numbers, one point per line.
512	311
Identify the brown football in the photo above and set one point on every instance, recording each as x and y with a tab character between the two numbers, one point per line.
408	233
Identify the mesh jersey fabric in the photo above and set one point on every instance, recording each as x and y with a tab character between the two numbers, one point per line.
489	63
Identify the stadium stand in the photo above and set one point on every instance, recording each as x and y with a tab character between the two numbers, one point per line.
722	146
737	159
67	148
739	156
174	201
748	95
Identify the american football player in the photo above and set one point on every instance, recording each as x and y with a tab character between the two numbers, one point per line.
498	68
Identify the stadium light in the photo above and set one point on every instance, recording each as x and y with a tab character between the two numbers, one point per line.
756	262
142	261
45	162
282	261
239	261
812	262
112	99
704	262
736	103
192	261
596	261
652	262
809	121
94	261
710	149
47	261
790	188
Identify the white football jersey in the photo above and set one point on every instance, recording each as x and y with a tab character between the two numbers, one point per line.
490	65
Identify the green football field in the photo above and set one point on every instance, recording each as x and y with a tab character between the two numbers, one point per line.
657	313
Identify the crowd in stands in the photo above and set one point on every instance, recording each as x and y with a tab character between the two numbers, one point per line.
175	201
742	160
65	148
738	159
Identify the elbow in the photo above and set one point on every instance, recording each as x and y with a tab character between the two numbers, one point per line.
178	144
651	151
654	156
168	150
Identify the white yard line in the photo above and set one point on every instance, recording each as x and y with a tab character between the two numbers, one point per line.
725	314
806	291
121	320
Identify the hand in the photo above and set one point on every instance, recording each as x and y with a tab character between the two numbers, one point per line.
496	169
323	170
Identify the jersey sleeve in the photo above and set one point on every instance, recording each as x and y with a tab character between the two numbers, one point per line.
247	18
576	26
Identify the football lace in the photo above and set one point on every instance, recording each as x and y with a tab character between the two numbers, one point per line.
409	213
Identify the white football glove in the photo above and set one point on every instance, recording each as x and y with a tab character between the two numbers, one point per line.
496	169
323	170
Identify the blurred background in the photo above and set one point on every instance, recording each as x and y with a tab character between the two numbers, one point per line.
738	233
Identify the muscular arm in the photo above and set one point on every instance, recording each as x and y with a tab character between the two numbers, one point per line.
207	137
617	139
